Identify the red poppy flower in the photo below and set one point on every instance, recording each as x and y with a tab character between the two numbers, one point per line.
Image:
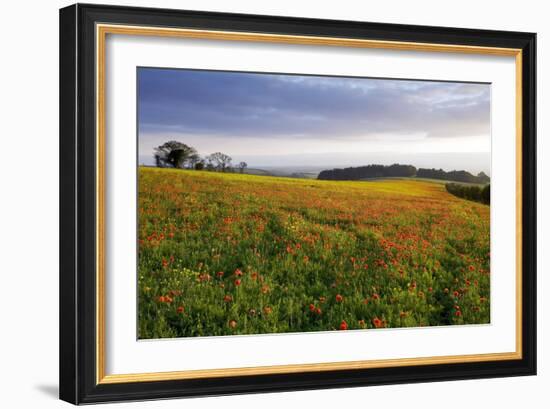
238	273
339	298
377	322
237	282
311	307
219	274
318	311
180	309
458	313
343	326
228	298
375	296
268	310
456	293
471	268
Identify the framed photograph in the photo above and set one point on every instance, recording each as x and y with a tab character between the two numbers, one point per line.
257	203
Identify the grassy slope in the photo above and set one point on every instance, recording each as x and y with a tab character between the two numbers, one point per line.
313	254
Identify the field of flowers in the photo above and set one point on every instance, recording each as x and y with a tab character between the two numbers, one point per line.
225	254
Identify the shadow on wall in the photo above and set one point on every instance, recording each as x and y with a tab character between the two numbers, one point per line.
50	390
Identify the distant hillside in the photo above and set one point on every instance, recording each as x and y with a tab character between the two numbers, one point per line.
397	170
254	171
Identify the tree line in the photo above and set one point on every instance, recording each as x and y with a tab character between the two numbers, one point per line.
397	170
480	194
367	172
454	175
174	154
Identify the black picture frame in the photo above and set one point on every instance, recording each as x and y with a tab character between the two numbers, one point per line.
78	258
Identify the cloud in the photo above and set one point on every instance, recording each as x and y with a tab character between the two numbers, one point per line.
236	105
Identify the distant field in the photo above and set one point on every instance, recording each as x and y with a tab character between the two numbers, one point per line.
223	254
281	173
253	171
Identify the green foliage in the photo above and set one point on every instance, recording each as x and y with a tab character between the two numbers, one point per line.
480	194
486	194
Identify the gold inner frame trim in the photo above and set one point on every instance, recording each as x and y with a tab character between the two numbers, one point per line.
101	33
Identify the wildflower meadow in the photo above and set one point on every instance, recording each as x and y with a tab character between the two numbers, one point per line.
228	254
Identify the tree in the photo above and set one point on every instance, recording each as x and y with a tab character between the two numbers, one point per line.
173	154
483	178
476	193
368	172
242	166
486	195
158	162
193	160
220	161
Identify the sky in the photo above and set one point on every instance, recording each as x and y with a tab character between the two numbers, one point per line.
281	120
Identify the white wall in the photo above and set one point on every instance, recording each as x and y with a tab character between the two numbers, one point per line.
29	201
